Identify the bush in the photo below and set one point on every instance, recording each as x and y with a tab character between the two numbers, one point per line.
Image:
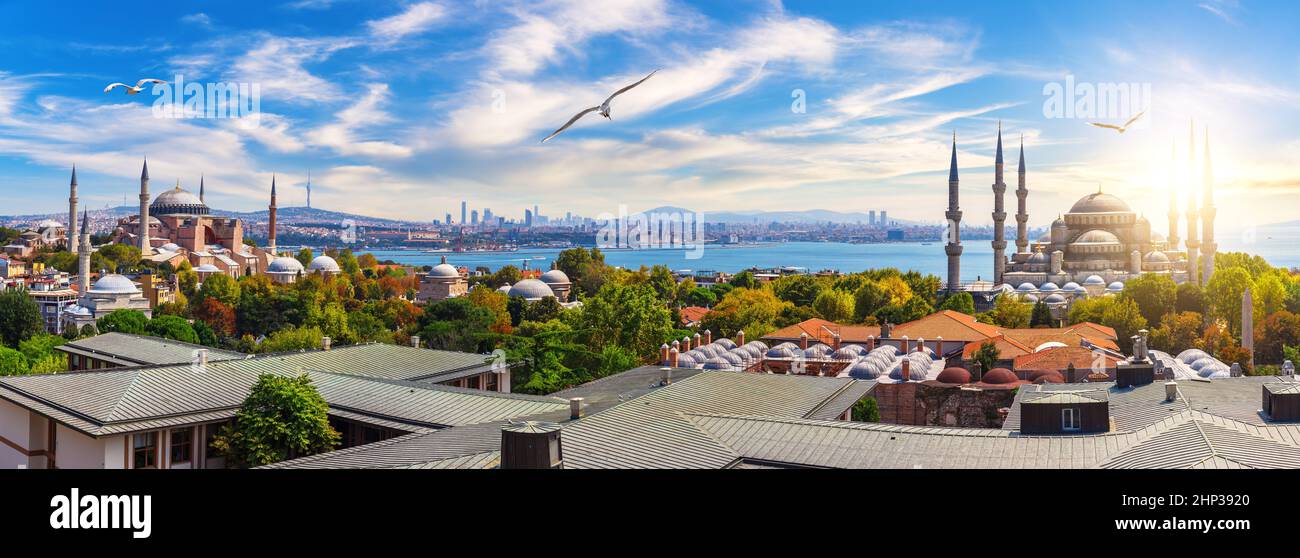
866	410
282	418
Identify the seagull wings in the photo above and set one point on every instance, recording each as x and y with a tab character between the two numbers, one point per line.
1134	119
1110	126
112	85
141	83
570	122
625	89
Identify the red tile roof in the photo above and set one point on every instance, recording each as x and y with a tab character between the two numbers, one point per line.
1060	358
824	330
952	326
693	314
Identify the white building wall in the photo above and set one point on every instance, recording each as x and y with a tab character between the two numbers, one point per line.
114	452
78	451
15	427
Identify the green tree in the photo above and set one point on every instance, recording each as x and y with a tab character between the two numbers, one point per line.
987	355
869	299
1177	332
507	275
1154	294
291	338
1269	294
744	280
20	317
662	281
1223	294
221	287
1190	298
1124	316
800	290
172	327
13	363
754	311
961	301
1277	330
123	321
914	309
1009	312
1041	316
577	262
305	257
282	418
205	334
628	316
700	296
544	310
866	410
40	346
835	306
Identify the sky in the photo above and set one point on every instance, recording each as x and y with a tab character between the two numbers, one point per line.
404	109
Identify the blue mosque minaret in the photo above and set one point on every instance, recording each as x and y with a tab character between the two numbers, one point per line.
999	215
953	248
1208	246
1022	215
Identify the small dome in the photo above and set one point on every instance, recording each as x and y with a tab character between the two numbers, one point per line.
733	359
725	343
717	363
1156	257
1029	298
284	264
170	247
1039	258
1203	362
444	270
1026	288
686	361
818	351
954	375
865	370
1100	203
1049	287
503	289
1071	286
49	224
1097	236
847	352
1094	280
1115	287
114	284
1054	299
780	352
207	268
1191	355
325	264
1000	376
555	277
531	289
1050	377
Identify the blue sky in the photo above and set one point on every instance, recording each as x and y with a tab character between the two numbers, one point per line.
403	109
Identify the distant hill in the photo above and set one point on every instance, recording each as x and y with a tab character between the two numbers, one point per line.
761	217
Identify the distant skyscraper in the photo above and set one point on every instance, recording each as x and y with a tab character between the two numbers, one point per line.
462	213
536	212
308	188
473	217
528	218
487	216
448	221
871	219
884	219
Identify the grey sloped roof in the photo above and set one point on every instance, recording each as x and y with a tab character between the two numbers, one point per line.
128	350
1064	396
411	450
611	390
393	362
123	400
832	408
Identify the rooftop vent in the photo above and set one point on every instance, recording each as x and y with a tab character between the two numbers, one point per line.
415	341
1171	391
575	408
1064	412
531	445
1282	401
325	343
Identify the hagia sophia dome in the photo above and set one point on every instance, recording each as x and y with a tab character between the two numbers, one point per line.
177	201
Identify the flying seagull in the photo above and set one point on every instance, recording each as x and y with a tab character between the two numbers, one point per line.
603	108
1123	128
139	86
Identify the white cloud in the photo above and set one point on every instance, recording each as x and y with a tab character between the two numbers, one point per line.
366	113
540	34
200	19
278	64
417	18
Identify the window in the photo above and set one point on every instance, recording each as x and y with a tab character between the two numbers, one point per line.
182	444
146	450
1069	419
471	382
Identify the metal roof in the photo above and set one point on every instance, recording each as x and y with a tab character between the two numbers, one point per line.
128	349
1064	397
393	362
123	400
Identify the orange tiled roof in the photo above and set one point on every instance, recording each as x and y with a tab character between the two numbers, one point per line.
1060	358
947	324
824	330
1007	347
693	314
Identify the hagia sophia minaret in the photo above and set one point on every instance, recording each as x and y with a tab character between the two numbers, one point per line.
999	214
72	213
83	255
1208	246
1022	214
271	220
953	248
145	248
1192	215
201	188
1173	199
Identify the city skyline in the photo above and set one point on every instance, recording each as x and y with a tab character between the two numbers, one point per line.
884	92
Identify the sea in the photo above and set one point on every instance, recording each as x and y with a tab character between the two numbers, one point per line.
1281	247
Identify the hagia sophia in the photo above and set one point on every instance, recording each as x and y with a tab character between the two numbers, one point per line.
1091	250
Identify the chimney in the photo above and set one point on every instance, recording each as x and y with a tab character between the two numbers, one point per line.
203	359
677	345
885	329
803	341
673	357
325	343
1171	391
575	408
907	370
977	371
415	341
531	445
938	346
920	344
740	337
708	337
686	344
663	355
905	345
667	376
695	344
835	341
871	343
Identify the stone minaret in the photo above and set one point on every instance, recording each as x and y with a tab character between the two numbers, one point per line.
1022	214
953	248
999	215
83	256
1173	199
1208	246
271	220
145	247
201	200
72	213
1248	323
1193	243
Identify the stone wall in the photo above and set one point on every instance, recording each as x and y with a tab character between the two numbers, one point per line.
935	404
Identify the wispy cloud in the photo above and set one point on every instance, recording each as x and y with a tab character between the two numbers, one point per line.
417	18
200	19
1222	9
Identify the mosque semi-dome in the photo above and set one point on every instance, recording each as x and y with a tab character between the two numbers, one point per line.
285	264
554	277
324	264
531	289
114	284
